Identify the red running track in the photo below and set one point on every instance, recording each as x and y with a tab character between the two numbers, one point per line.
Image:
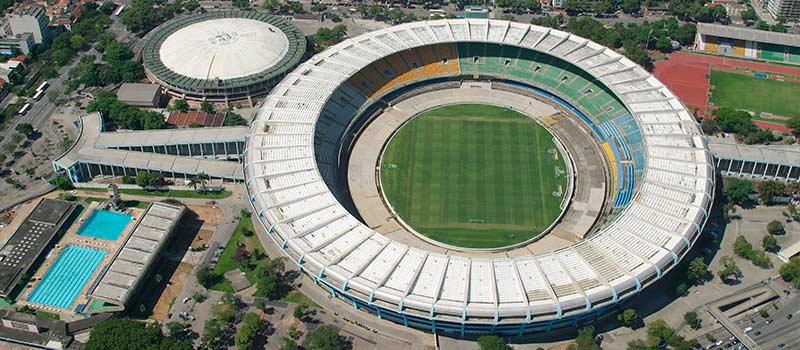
686	74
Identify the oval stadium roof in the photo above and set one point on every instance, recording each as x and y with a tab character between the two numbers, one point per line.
302	215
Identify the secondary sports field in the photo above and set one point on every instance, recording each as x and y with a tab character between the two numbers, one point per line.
755	94
474	176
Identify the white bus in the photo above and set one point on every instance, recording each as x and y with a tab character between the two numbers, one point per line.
119	10
24	109
38	95
42	86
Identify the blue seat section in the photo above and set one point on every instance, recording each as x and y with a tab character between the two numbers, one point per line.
624	196
618	161
633	138
611	131
561	101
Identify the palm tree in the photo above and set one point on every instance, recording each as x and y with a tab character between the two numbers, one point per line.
201	179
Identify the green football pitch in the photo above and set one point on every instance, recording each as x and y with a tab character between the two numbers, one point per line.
755	94
474	176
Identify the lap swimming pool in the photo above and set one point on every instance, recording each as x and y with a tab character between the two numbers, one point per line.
104	224
67	276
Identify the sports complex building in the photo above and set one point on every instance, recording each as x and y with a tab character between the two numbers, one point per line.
222	57
748	43
618	232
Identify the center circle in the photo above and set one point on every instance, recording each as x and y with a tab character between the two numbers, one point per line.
475	176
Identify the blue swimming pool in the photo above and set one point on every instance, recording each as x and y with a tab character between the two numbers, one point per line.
67	276
104	224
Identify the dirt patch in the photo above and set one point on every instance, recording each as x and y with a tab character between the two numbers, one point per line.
176	282
208	214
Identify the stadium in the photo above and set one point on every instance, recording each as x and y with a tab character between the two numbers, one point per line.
619	166
222	57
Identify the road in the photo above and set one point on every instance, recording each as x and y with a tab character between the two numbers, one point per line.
780	330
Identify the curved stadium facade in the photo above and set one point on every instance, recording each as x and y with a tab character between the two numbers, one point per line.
223	56
661	186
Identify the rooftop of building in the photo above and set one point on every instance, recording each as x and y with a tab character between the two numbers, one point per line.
223	49
30	239
135	92
726	147
748	34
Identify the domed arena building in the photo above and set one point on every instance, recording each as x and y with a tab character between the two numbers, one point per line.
606	177
223	57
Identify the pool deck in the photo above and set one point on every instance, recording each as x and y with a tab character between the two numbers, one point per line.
72	238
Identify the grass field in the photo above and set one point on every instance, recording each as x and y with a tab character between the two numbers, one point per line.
474	176
755	94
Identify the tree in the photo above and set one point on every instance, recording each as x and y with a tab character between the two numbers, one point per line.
628	318
742	247
681	289
201	179
233	119
630	6
175	328
775	227
709	126
319	7
204	276
770	243
729	270
794	124
300	311
288	344
737	191
180	105
586	340
325	37
697	270
242	4
790	272
122	333
25	129
492	342
323	338
107	8
207	107
62	182
769	189
748	16
252	325
212	333
762	25
147	179
692	319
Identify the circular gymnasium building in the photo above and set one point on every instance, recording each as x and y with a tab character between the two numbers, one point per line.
369	165
223	57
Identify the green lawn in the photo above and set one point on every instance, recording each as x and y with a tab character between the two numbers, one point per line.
755	94
474	176
169	193
226	262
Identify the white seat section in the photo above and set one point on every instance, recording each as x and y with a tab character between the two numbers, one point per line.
362	255
306	206
682	196
508	285
576	267
481	284
322	217
279	140
455	279
287	166
556	276
653	217
636	244
536	286
669	141
682	154
384	263
302	191
429	280
340	246
286	116
676	180
660	118
621	256
674	166
607	268
667	206
328	230
400	279
290	179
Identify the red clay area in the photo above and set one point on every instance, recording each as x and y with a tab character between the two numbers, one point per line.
687	75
